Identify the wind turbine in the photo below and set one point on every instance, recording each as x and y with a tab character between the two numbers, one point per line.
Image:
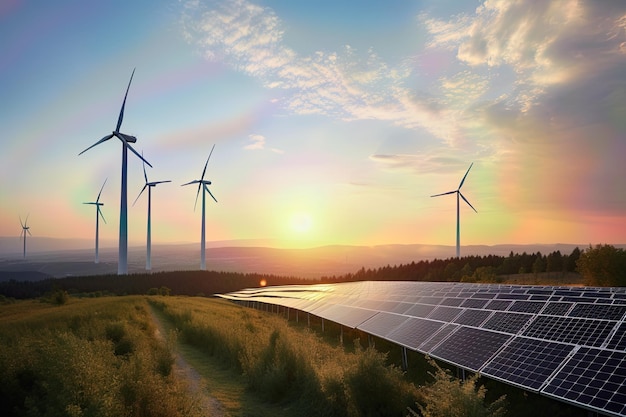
97	203
202	184
122	265
458	217
149	186
25	229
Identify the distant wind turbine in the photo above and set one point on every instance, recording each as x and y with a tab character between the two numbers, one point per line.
203	184
149	186
122	265
458	217
25	229
97	203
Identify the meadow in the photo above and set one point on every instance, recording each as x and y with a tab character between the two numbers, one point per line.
101	357
67	356
89	357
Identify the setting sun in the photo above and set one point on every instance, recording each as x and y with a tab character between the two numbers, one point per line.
301	222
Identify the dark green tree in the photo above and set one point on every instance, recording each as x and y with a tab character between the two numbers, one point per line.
603	266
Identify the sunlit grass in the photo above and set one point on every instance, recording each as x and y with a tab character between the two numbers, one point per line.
96	357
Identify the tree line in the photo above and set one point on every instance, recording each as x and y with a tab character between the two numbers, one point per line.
602	265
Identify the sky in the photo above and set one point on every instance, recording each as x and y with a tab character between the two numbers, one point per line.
333	121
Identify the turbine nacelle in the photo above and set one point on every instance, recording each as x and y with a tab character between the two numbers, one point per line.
127	138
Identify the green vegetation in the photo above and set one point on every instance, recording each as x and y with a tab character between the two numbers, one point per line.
448	396
96	357
603	266
295	367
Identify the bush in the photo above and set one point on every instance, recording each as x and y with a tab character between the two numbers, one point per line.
448	396
603	266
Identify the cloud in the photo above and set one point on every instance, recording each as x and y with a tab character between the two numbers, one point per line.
257	142
346	84
530	85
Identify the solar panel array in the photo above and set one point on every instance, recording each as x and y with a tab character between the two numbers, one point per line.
568	343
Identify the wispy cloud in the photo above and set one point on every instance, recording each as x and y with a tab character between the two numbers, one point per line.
256	142
346	84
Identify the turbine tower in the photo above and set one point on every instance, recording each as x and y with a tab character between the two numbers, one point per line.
122	263
458	217
203	184
149	186
97	203
25	229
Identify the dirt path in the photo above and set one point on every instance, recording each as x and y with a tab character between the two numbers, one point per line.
210	406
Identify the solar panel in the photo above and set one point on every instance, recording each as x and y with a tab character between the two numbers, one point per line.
598	311
618	340
498	304
415	331
473	317
443	332
474	303
527	306
420	310
557	308
568	343
507	322
527	362
444	313
382	324
470	348
570	330
595	378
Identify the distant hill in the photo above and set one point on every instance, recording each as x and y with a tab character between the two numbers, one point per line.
306	263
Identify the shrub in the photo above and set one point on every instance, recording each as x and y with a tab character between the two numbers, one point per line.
448	396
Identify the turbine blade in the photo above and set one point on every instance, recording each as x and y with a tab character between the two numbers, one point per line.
449	192
144	168
104	139
28	232
101	215
160	182
197	194
137	153
464	176
465	199
121	117
21	223
209	191
26	221
102	188
141	192
207	162
190	182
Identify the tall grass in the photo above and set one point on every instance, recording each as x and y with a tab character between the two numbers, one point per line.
286	364
86	358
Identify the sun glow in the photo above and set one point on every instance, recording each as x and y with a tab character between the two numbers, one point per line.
301	222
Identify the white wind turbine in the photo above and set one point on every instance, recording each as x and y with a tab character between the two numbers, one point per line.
122	265
203	184
149	186
97	203
25	229
458	217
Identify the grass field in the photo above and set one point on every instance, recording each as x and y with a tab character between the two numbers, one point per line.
101	357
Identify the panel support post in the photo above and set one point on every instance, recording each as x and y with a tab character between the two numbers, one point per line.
405	360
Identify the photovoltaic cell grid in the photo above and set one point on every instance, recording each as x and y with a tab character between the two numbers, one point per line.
523	335
593	377
527	362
